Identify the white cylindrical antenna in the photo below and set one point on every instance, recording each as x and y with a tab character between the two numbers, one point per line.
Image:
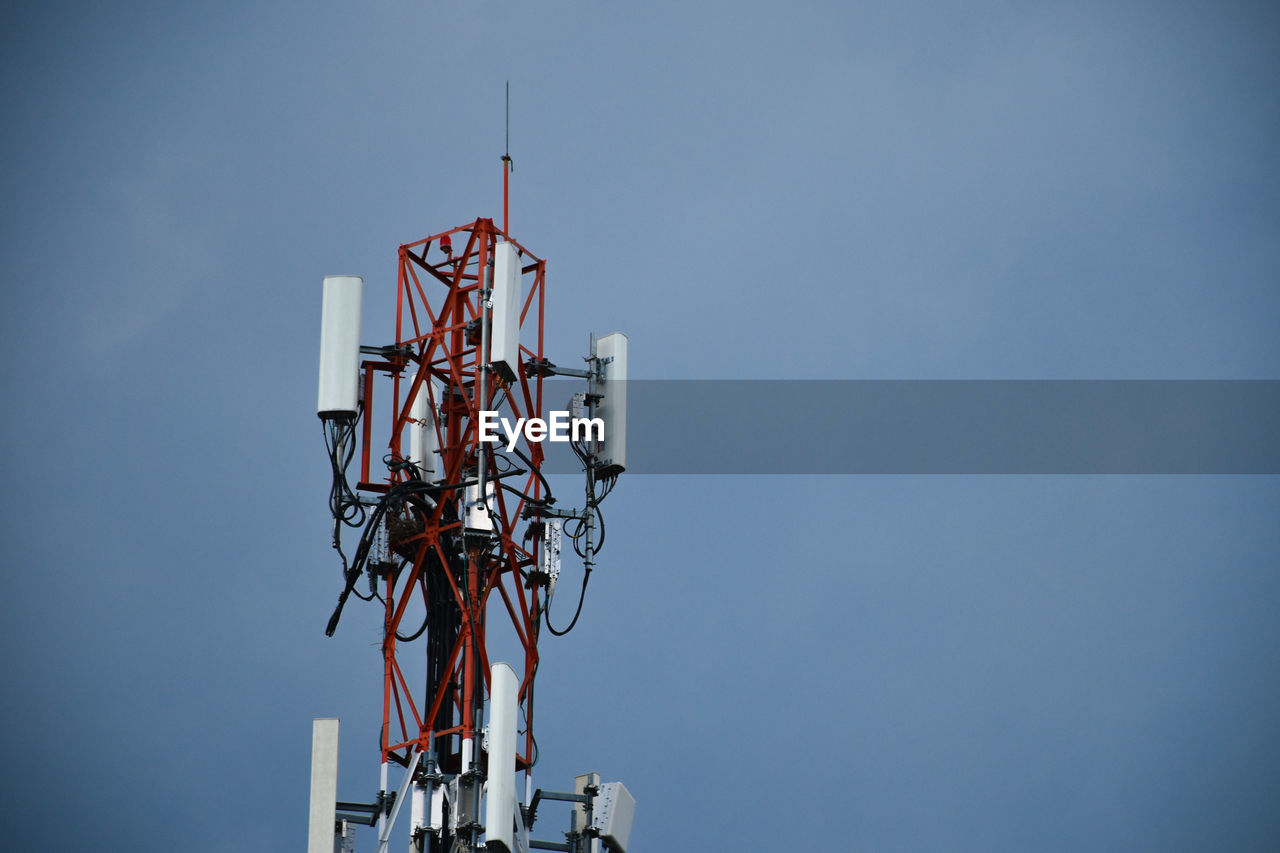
424	444
500	788
340	348
611	351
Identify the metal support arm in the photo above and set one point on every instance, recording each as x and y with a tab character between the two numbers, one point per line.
544	367
531	813
384	837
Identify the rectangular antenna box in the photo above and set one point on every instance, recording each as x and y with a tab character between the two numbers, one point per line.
615	809
476	512
504	340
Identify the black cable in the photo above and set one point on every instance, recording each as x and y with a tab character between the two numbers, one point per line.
574	537
498	469
343	502
418	633
337	544
500	472
356	568
609	483
527	497
546	612
422	582
537	471
581	453
348	509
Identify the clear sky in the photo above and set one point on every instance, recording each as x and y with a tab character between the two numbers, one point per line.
908	190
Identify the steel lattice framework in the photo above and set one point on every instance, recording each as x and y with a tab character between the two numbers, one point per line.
433	558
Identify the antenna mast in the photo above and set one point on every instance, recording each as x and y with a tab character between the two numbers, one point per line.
507	166
459	538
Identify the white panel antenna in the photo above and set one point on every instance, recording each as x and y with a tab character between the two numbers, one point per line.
500	798
339	397
615	809
324	785
417	808
611	351
435	821
504	342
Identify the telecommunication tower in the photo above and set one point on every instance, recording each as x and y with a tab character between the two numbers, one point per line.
460	539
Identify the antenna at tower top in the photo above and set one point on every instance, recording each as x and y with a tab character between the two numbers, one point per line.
506	166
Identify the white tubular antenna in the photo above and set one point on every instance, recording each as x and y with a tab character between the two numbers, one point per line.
500	800
611	352
504	343
340	347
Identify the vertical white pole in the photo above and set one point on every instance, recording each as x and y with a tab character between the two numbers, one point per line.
324	785
382	786
580	784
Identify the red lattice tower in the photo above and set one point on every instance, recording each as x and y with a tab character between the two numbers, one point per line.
435	561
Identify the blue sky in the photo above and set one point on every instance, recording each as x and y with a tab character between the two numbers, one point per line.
806	190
